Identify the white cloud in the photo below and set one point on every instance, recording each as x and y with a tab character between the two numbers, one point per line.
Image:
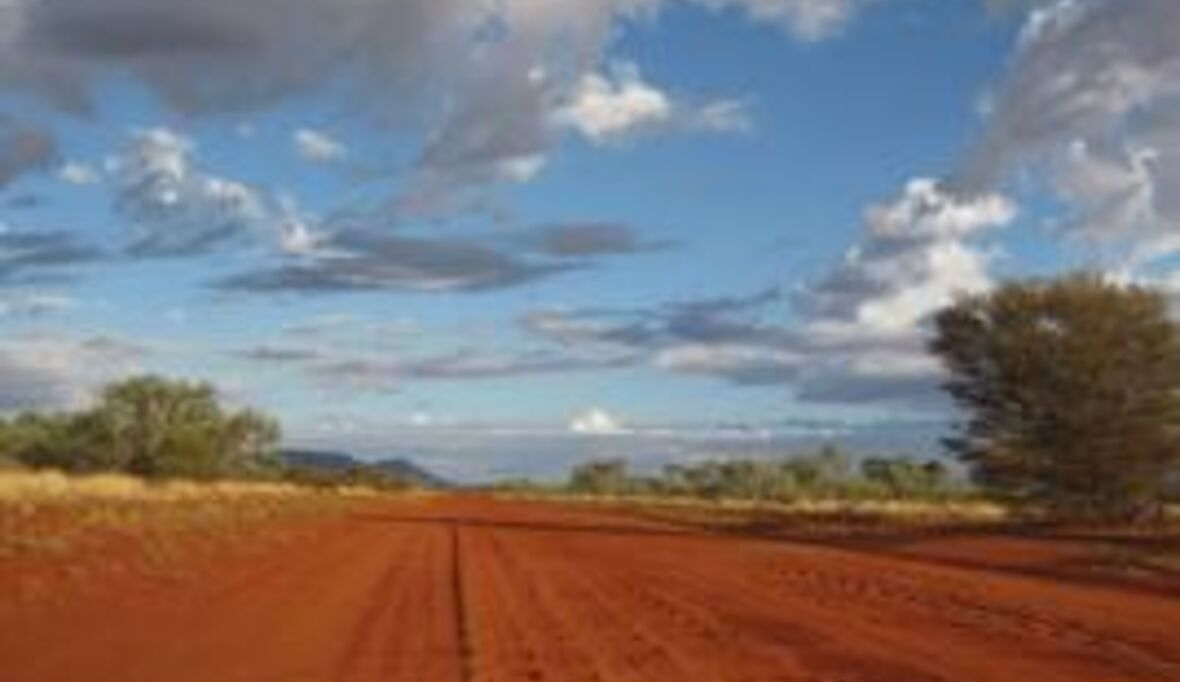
33	303
807	19
1091	110
915	256
318	147
76	173
596	422
721	116
53	371
604	108
175	207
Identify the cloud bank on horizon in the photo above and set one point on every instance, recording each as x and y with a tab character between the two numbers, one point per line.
274	181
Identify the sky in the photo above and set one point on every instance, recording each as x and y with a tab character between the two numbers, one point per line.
500	236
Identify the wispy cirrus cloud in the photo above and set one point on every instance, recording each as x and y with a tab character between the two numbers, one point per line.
317	146
34	255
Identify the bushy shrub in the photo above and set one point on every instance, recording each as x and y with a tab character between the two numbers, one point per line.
825	474
151	427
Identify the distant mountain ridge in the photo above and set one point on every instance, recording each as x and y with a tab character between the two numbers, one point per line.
335	462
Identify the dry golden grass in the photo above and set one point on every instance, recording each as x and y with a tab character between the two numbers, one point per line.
954	510
53	517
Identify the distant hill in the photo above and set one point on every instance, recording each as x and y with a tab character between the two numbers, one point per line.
337	462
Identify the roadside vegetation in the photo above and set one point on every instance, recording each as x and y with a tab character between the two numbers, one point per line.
151	469
158	429
826	485
1069	394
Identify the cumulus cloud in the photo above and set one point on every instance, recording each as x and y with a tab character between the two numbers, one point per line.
597	422
605	108
318	147
1092	105
864	323
915	256
23	148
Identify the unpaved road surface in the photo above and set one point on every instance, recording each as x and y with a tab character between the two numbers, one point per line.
479	591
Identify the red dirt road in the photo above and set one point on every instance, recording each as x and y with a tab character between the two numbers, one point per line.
479	591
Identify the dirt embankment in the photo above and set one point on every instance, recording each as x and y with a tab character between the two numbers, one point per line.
474	590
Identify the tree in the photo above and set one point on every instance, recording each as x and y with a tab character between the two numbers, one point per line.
904	477
1071	390
601	477
148	426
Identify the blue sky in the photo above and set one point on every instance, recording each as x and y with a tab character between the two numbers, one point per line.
501	236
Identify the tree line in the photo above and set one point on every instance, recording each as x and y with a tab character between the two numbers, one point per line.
829	473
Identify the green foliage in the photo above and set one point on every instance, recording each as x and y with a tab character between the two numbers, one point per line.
905	478
601	477
1071	390
359	476
148	426
825	474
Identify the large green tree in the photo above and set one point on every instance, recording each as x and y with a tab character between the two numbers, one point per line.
1071	391
149	426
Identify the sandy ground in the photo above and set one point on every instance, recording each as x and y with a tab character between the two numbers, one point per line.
466	590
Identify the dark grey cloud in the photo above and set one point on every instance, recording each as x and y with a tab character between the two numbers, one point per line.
465	365
361	261
713	320
27	255
582	239
23	148
280	355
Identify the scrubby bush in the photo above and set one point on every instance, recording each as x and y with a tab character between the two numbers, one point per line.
825	474
151	427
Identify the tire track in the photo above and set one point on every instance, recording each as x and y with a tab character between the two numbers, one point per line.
462	622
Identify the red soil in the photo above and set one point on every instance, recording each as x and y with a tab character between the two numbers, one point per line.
474	590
